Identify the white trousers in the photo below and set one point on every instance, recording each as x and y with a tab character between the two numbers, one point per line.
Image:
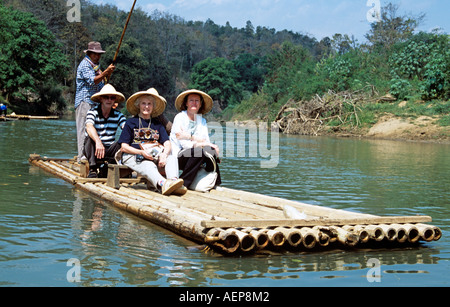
149	169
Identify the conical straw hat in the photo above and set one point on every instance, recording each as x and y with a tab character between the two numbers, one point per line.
158	108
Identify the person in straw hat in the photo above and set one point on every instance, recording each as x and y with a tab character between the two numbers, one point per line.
102	123
89	80
190	138
145	143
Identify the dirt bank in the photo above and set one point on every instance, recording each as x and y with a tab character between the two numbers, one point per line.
423	128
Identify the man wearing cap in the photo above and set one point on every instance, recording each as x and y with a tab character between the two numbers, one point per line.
102	123
90	80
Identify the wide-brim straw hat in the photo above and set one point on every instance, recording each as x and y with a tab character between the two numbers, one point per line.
158	108
207	100
108	90
95	47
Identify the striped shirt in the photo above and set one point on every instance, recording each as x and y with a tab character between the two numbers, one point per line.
106	127
86	86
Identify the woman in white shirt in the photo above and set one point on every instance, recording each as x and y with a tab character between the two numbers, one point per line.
189	136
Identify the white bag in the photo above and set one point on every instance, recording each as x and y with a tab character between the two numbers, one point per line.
205	181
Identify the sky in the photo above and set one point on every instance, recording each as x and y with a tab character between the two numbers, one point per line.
316	18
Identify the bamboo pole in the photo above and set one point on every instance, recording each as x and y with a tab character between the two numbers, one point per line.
226	241
360	230
437	233
308	238
317	222
261	238
412	233
375	232
322	238
426	232
293	236
246	242
346	237
275	237
389	232
402	235
278	203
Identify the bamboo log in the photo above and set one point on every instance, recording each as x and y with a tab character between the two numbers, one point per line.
275	237
260	223
412	233
437	233
426	232
321	237
222	239
375	232
345	237
278	203
402	235
389	232
246	242
261	238
293	236
360	230
308	238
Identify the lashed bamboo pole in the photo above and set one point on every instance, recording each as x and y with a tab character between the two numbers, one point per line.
345	237
293	236
278	203
246	242
308	238
437	233
402	235
360	230
261	238
426	232
275	237
389	232
412	232
226	241
375	232
321	237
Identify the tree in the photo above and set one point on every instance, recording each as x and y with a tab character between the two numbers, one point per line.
218	78
251	70
30	59
392	28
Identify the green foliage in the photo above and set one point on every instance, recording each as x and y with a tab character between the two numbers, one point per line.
251	71
219	78
421	63
30	58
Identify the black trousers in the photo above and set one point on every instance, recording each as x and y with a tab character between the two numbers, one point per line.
89	152
190	160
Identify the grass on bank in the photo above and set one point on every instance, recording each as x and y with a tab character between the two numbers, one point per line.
368	112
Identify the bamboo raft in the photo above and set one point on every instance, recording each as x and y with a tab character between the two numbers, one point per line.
233	221
28	117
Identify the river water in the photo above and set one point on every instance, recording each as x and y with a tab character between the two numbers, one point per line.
51	234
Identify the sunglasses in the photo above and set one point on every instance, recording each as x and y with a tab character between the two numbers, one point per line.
110	97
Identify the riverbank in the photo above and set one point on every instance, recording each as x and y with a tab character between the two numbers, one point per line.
391	127
354	114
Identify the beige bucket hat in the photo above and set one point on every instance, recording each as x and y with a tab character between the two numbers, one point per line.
95	47
158	108
108	89
207	100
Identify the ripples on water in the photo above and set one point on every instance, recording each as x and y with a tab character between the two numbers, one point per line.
44	221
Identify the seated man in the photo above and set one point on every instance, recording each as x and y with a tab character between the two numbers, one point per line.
102	123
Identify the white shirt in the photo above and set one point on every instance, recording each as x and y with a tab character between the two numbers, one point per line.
197	128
